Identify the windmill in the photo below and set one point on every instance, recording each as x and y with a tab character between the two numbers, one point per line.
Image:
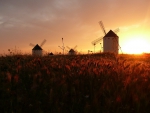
37	49
72	51
110	40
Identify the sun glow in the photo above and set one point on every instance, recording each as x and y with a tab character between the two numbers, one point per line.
136	45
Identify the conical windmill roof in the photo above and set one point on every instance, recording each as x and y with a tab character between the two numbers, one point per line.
71	50
110	34
37	47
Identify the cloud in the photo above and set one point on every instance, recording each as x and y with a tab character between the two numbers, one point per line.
30	20
53	12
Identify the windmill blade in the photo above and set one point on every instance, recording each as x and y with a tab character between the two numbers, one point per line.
43	43
75	47
96	41
68	47
76	51
102	26
117	30
31	45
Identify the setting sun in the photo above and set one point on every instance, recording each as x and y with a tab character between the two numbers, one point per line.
77	22
136	45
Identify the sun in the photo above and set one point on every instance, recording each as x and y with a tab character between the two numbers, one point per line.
136	45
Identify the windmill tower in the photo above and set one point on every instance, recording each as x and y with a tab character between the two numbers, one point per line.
110	40
37	49
72	51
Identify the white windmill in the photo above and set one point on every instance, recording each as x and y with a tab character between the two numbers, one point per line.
37	49
110	40
72	51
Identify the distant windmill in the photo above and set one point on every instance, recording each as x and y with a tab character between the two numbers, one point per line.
110	40
72	51
37	49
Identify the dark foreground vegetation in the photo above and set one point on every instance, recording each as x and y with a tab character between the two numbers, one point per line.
102	83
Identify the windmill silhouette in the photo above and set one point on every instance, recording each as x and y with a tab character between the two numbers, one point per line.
37	49
110	40
72	51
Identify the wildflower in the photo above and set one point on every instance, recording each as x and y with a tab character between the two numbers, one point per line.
68	67
16	78
118	99
127	81
18	68
9	76
135	98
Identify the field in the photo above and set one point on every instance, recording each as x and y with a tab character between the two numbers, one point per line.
102	83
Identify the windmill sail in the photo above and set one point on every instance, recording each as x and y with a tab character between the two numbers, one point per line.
31	44
43	43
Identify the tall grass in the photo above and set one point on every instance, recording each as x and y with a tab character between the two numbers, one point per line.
75	84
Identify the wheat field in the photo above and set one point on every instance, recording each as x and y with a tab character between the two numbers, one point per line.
101	83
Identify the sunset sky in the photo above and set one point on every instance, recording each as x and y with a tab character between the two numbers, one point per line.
31	21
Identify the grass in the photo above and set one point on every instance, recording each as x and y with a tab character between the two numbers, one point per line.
102	83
